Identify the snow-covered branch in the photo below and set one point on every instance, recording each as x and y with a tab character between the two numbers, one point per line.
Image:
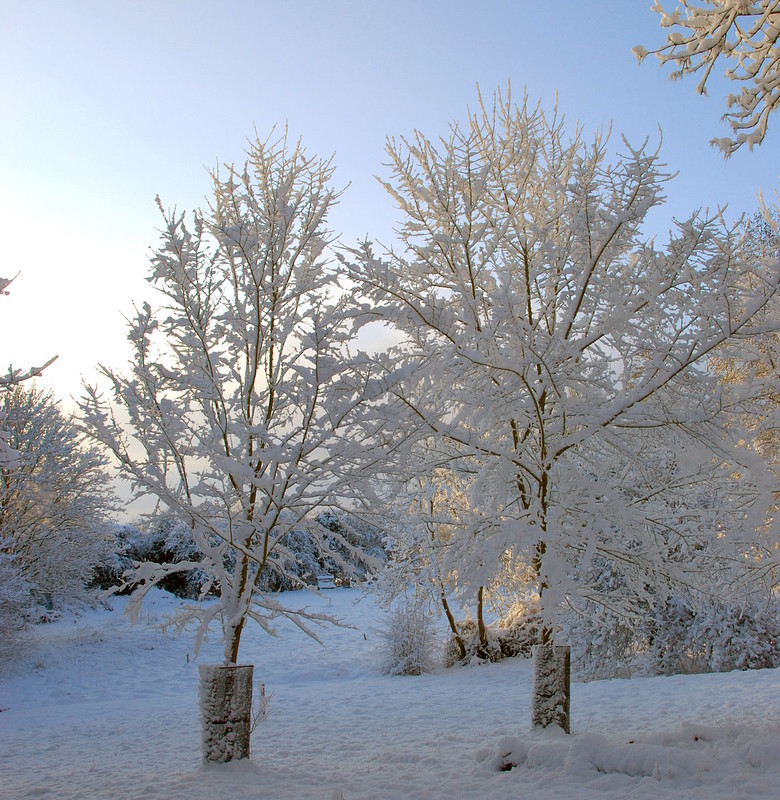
244	414
745	34
554	365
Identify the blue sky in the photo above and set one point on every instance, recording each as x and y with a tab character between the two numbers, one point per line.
104	104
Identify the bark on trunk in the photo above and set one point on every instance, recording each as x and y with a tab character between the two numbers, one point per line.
453	626
481	628
226	710
551	700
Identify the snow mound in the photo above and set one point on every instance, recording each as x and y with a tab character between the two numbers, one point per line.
719	761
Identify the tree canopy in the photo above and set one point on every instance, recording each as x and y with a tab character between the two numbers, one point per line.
555	362
243	411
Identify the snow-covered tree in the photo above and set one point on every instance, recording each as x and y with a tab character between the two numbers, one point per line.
751	368
561	356
54	499
745	33
13	377
17	604
17	607
243	411
433	529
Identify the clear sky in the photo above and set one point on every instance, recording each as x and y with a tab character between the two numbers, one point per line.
106	103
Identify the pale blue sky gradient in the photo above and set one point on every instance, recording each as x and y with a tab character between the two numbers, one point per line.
104	104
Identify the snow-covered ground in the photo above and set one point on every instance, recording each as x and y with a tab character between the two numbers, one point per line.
99	709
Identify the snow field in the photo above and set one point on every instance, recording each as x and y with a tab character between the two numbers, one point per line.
99	709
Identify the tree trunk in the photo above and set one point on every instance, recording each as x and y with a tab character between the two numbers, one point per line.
226	710
234	628
453	626
232	641
481	629
551	699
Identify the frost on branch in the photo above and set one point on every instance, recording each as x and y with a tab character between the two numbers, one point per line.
746	35
9	458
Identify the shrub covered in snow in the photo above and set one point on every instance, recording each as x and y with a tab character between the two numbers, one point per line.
615	631
603	643
16	605
511	636
475	648
713	636
348	549
357	544
354	548
409	642
164	541
518	632
600	626
297	565
678	634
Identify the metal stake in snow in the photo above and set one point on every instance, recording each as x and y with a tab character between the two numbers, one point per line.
226	710
551	697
